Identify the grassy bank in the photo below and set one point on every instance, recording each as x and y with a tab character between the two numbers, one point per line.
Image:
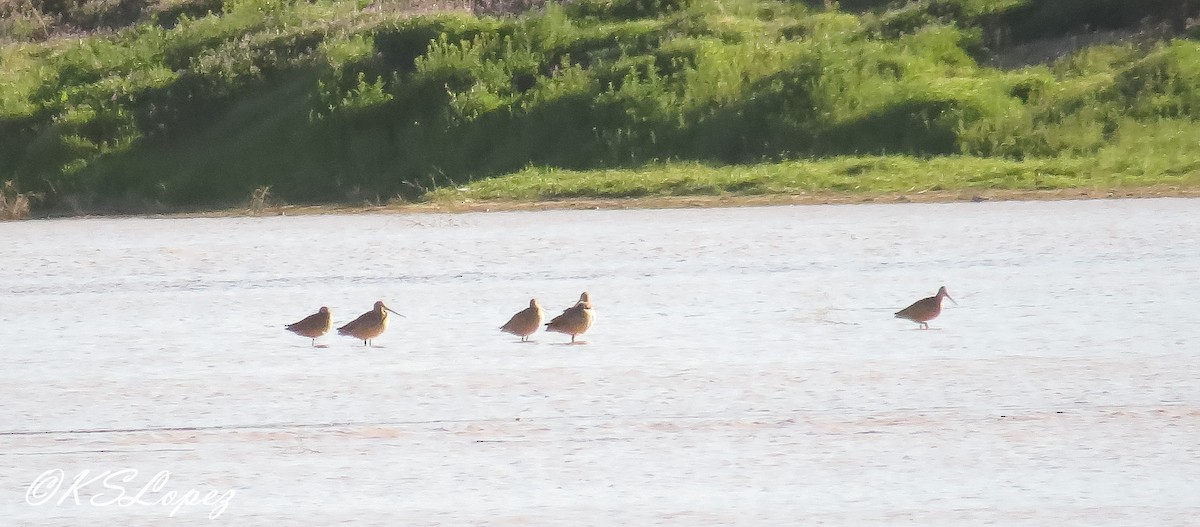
192	105
852	175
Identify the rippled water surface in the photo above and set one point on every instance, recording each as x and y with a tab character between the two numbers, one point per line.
744	368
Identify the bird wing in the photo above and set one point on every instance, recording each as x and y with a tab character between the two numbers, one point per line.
350	326
566	315
516	319
309	321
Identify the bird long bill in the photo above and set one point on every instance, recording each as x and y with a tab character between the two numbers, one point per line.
393	312
951	299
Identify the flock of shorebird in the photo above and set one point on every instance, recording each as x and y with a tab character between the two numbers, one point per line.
573	321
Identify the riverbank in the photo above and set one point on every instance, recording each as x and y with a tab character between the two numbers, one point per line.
450	206
815	198
1112	173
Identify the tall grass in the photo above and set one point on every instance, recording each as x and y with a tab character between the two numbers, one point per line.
14	204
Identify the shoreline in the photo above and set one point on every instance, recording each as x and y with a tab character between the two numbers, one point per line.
671	202
816	198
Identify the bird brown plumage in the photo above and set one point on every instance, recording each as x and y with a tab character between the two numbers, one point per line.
575	320
925	309
314	325
368	325
525	322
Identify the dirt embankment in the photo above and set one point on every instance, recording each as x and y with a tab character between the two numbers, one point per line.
661	202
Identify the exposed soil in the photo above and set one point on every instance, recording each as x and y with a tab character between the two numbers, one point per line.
663	202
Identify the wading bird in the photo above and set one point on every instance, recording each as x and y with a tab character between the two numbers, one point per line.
368	325
925	309
575	320
313	326
525	322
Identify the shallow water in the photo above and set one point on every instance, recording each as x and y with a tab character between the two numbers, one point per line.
744	367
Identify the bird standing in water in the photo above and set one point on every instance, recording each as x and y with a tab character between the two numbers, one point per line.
314	325
925	309
525	322
575	320
368	325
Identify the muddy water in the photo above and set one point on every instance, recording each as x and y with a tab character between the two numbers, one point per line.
744	367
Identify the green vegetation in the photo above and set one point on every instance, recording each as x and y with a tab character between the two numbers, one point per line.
209	103
858	174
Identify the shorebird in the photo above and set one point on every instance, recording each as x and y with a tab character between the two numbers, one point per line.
575	320
525	322
313	326
368	325
925	309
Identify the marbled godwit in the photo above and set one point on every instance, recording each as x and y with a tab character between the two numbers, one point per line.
368	325
314	325
525	322
575	320
925	309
